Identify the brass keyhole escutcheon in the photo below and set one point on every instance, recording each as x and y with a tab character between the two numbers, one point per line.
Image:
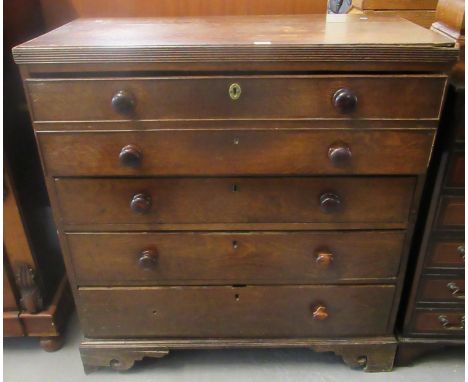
235	91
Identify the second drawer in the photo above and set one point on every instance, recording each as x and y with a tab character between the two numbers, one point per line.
235	200
239	258
236	152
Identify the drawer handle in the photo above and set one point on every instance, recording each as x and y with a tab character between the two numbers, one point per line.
447	325
148	259
345	101
235	91
324	258
339	154
123	102
140	203
456	291
130	156
320	313
330	203
461	251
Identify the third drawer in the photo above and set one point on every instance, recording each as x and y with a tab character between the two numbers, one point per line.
164	258
253	201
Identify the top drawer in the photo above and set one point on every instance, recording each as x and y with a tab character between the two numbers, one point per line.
247	97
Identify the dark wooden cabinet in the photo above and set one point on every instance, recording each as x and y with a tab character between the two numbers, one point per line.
236	181
432	315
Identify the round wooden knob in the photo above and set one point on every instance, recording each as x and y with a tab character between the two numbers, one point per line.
130	156
140	203
345	101
330	203
148	259
319	313
339	154
123	103
324	258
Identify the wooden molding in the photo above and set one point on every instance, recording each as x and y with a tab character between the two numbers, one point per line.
306	38
371	354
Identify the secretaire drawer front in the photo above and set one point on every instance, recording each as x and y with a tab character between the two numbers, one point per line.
337	96
456	171
437	289
236	152
235	200
273	311
238	258
447	252
451	212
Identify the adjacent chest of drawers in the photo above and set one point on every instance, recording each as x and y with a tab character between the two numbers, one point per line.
434	315
238	181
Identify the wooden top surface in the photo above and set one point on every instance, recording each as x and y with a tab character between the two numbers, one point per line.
147	39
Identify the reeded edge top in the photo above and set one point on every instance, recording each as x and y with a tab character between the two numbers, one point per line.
299	38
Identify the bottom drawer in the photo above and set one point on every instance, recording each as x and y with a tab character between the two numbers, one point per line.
225	311
440	321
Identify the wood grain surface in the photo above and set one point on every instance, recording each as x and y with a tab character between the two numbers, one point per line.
237	152
251	311
206	258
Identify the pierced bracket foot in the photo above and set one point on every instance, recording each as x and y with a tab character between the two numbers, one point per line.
120	359
370	357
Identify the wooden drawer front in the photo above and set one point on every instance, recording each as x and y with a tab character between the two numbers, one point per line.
442	290
235	200
260	97
447	253
451	212
236	152
273	311
456	171
447	322
238	258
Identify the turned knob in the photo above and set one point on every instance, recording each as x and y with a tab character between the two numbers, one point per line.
324	258
140	203
148	259
130	156
319	313
123	102
330	203
345	101
339	154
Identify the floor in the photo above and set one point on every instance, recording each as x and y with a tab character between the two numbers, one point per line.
23	360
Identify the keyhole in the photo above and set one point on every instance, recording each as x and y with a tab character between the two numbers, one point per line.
235	188
236	297
235	244
236	141
235	91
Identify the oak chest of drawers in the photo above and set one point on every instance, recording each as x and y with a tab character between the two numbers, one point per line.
236	181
